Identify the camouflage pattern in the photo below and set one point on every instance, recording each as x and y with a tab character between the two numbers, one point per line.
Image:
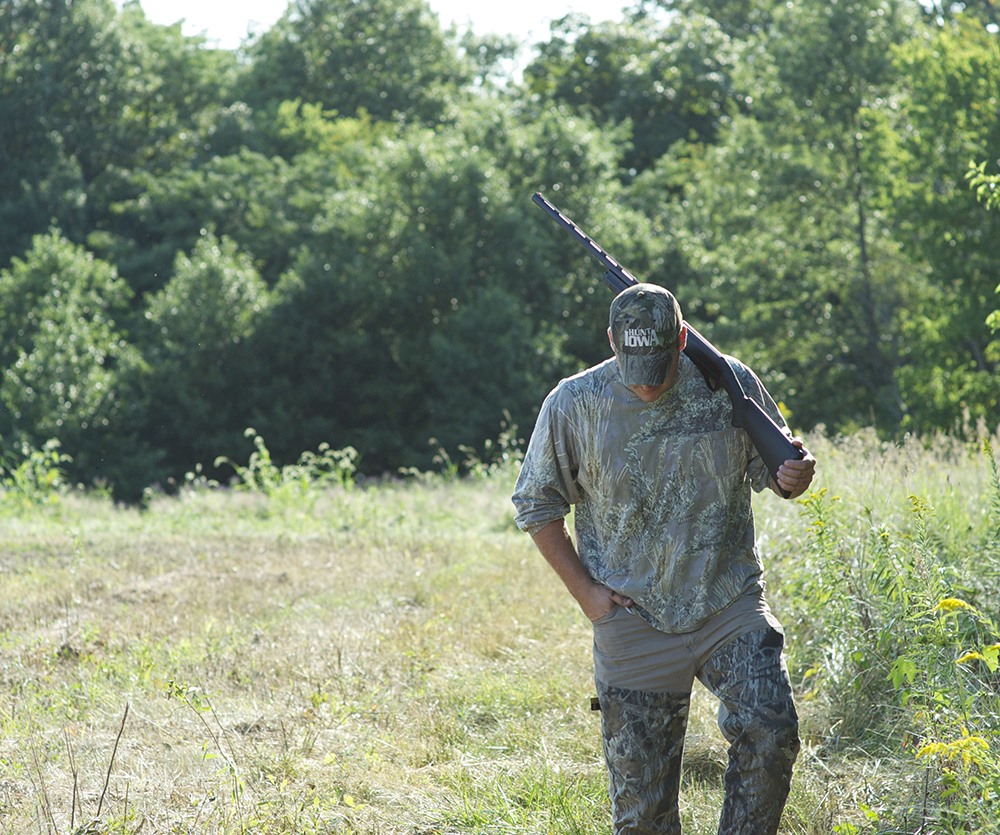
644	739
645	322
643	745
757	716
662	499
661	490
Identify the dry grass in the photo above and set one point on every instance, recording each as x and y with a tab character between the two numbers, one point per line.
359	664
391	659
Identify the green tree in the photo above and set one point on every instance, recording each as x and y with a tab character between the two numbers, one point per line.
667	81
181	104
264	200
987	188
984	11
483	360
781	227
388	58
741	20
196	346
434	243
93	102
838	74
68	372
946	115
58	87
247	196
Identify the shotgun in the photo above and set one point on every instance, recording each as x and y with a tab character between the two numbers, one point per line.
769	439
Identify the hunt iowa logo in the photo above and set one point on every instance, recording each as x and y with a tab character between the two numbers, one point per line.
641	338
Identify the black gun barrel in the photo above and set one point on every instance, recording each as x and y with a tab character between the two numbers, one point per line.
770	440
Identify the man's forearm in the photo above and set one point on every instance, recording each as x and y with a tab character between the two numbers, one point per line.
556	545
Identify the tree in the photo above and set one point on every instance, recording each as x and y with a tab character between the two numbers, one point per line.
247	197
781	222
387	58
668	82
57	86
742	20
987	188
91	104
431	256
946	115
68	372
264	200
198	328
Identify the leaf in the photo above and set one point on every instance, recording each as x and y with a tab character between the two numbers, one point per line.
903	669
991	657
868	812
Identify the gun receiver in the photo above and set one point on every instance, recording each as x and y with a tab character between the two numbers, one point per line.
770	441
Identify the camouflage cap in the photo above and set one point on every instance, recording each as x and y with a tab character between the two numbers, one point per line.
645	324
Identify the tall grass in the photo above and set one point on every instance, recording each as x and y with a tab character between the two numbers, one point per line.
307	654
889	599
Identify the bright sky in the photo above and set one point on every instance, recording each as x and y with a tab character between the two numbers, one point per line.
227	23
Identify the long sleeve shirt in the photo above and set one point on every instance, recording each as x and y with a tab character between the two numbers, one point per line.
661	491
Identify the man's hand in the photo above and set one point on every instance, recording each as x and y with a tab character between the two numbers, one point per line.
557	547
600	601
795	475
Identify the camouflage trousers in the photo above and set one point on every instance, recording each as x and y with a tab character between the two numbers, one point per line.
644	739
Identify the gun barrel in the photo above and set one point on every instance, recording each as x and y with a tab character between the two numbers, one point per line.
770	440
616	276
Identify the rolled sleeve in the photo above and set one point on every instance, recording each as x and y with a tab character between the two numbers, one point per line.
546	489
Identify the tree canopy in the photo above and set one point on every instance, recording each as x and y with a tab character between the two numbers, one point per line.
327	234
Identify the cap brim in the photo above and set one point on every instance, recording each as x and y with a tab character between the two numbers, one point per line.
644	369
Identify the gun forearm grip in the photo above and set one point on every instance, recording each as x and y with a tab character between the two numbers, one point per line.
770	441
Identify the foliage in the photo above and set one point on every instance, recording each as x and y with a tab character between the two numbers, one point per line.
314	470
985	186
946	120
387	58
198	327
667	82
406	280
788	196
68	371
897	650
355	182
61	89
31	477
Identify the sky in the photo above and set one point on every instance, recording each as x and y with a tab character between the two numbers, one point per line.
226	23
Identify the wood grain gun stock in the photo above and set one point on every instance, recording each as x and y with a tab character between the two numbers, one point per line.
769	439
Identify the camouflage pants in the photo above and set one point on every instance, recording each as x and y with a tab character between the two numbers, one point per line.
644	740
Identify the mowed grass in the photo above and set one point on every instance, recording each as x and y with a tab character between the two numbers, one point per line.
393	658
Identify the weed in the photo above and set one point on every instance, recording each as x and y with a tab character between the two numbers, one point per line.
32	477
314	471
497	459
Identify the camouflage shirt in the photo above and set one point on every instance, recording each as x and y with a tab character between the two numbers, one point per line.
661	490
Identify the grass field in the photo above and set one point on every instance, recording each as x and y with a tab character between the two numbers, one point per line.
396	657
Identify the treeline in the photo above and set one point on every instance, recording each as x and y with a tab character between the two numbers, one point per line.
328	236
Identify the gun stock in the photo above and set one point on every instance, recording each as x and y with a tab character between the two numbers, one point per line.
770	441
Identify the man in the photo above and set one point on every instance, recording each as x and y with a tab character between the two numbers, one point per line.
665	564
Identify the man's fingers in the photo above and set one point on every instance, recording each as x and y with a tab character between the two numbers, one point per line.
621	600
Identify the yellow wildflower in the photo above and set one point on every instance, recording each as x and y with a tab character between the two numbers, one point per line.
952	604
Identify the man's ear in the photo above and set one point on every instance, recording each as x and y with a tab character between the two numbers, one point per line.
682	338
611	341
